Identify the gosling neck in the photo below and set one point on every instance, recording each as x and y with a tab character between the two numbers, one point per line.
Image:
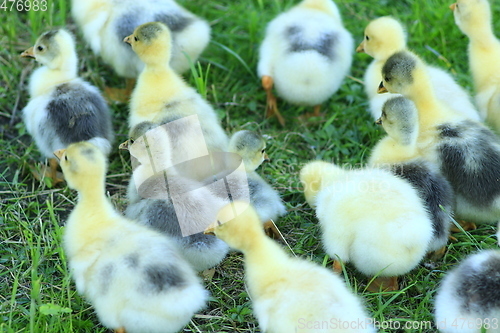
407	148
45	78
482	36
430	110
263	251
92	195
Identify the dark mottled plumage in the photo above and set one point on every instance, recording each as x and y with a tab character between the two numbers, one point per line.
149	31
175	22
132	260
161	278
434	189
49	35
88	153
77	114
468	142
126	24
479	289
161	215
255	186
324	45
448	131
401	63
106	275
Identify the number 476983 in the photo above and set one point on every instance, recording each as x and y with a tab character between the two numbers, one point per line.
24	5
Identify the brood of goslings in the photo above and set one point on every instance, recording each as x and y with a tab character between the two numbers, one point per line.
162	96
104	24
473	17
159	197
384	37
398	153
287	293
368	217
469	296
63	108
467	152
306	54
134	277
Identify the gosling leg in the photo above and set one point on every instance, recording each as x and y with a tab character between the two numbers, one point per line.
271	104
384	284
272	231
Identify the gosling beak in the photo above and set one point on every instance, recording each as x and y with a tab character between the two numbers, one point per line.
361	47
210	230
28	53
124	145
128	39
266	157
59	153
453	6
378	121
381	88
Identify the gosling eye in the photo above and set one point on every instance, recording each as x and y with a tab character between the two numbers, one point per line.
386	79
131	141
135	38
65	157
263	151
40	48
367	38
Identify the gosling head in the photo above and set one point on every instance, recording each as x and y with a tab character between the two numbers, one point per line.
317	175
237	224
471	15
54	49
400	120
398	73
383	37
250	146
152	42
83	165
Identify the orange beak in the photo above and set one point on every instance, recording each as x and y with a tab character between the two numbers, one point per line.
28	53
381	89
266	157
453	6
361	47
128	39
59	153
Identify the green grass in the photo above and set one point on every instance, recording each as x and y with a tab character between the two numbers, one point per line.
36	293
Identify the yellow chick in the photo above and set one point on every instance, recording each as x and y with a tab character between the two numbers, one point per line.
162	96
134	277
288	294
368	217
473	17
305	54
385	36
468	297
466	151
104	24
63	108
398	153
